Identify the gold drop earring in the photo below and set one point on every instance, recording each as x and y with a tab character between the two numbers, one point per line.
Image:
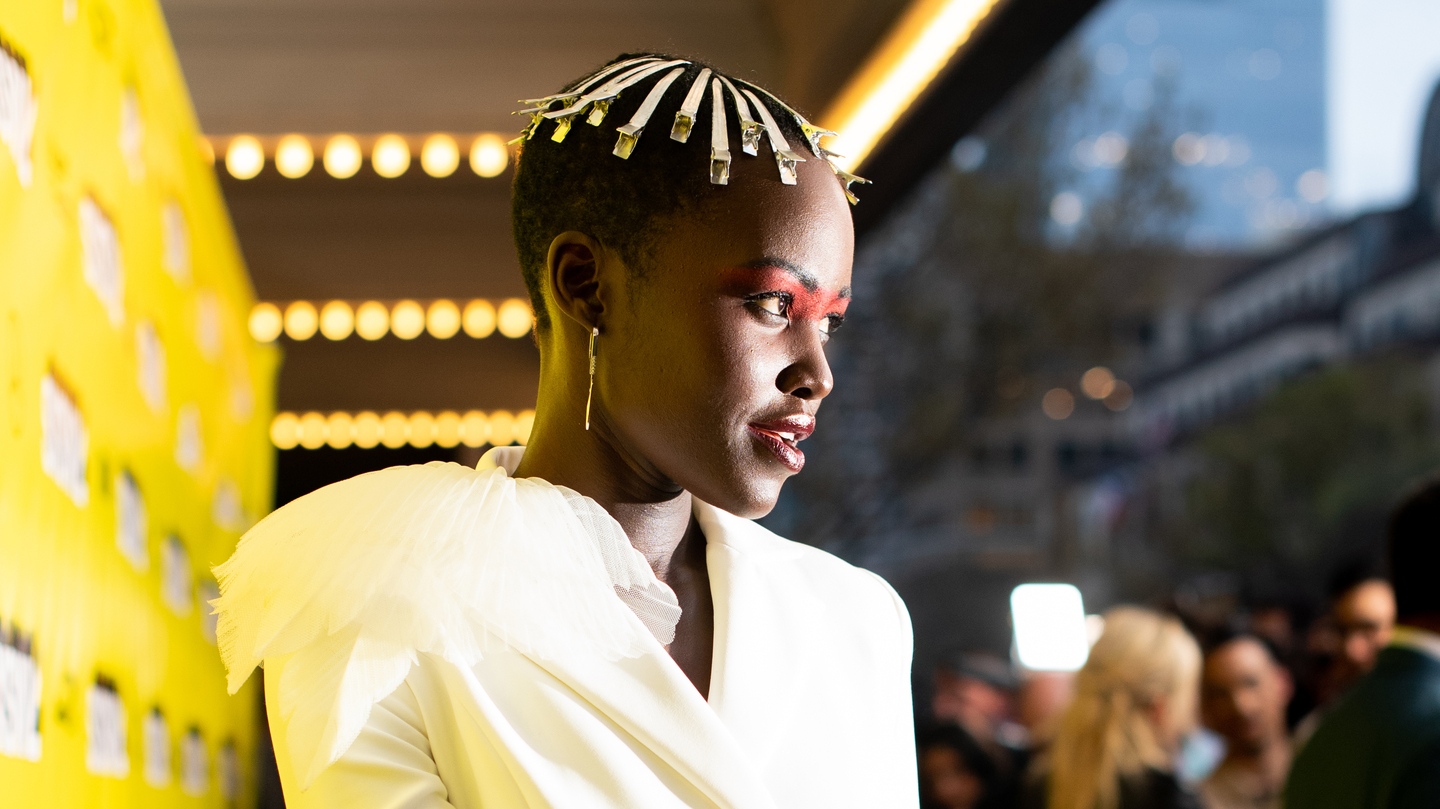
594	335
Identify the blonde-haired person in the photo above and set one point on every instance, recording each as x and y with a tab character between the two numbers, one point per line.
1135	698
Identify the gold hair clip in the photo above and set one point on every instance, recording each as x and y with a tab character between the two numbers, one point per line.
749	127
630	133
785	159
685	118
719	138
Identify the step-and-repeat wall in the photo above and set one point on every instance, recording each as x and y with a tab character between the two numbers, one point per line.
134	412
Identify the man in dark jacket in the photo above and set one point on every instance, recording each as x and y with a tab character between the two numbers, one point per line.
1380	747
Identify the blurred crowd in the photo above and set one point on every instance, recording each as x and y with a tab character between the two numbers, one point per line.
1264	708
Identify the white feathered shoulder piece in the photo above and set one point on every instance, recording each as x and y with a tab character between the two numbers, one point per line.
353	581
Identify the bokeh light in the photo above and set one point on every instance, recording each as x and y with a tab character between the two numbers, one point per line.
1120	396
447	429
514	318
339	430
244	157
342	157
474	429
407	320
1058	403
337	320
372	320
266	322
312	430
366	429
285	431
1097	382
440	156
294	157
524	422
502	428
391	156
301	320
422	429
479	319
394	430
489	155
442	319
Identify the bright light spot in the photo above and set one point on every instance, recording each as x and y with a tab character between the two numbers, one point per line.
489	155
1112	59
1058	403
339	430
1067	209
479	319
301	320
1094	628
1189	149
391	156
407	320
502	428
293	157
337	320
1313	186
372	320
244	158
969	153
1120	396
514	318
367	430
422	429
1111	149
285	431
394	430
1050	628
266	322
442	320
524	423
447	429
474	429
342	157
312	430
439	156
1098	382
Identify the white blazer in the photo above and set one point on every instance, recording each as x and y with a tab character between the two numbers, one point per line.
809	701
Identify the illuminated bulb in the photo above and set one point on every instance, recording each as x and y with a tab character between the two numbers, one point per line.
372	320
266	322
312	431
407	320
293	157
524	422
474	429
285	431
447	429
479	319
489	155
1050	629
514	318
207	150
442	320
1119	397
244	158
394	430
301	320
337	320
439	156
366	430
391	156
422	429
1097	382
339	430
342	157
1058	403
502	428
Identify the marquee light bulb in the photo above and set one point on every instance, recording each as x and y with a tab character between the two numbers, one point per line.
244	157
342	157
266	322
442	320
391	156
514	318
293	157
337	320
372	320
479	319
489	155
301	320
407	320
439	156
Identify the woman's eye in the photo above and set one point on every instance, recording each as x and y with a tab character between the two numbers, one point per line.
774	304
830	323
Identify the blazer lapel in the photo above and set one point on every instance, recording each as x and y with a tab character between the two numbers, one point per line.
763	654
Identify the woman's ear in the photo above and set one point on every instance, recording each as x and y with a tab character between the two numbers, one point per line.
573	272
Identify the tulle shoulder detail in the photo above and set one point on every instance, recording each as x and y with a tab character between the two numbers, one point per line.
350	583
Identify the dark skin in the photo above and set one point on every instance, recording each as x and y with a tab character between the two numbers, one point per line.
725	330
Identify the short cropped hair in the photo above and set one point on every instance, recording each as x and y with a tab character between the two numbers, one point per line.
1415	552
580	185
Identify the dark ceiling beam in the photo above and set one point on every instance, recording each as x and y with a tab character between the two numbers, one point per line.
1015	38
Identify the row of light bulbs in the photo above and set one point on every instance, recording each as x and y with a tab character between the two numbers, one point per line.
1098	383
420	429
407	319
342	156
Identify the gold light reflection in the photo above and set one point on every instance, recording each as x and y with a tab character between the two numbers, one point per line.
391	156
1058	403
312	431
337	320
266	322
395	429
514	318
440	156
442	319
339	430
447	429
342	157
293	156
479	319
474	429
489	155
244	158
367	430
285	431
1098	382
915	50
372	320
301	320
407	320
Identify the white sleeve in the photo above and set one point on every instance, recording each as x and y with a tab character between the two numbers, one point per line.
388	767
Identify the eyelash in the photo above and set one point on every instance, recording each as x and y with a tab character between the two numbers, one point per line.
832	321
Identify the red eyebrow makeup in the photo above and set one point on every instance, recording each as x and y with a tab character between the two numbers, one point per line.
805	303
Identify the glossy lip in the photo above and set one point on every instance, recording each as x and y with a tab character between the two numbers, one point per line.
781	435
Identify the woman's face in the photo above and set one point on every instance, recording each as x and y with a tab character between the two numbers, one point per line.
712	362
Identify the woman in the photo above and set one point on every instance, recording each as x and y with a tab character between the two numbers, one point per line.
1135	699
594	621
956	772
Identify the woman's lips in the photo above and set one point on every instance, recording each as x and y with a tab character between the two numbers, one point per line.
781	436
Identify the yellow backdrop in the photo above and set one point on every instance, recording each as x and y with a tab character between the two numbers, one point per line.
134	412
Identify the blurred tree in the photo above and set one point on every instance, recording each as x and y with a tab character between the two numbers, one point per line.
1306	478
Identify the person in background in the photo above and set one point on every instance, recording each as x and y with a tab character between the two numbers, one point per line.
1379	748
974	691
1039	704
1362	616
955	772
1243	693
1135	699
